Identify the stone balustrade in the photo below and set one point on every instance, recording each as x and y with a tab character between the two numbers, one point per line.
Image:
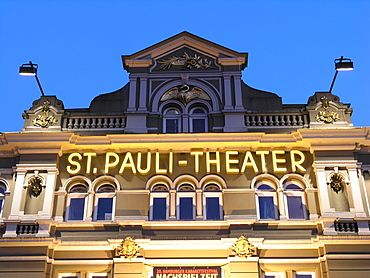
271	120
98	122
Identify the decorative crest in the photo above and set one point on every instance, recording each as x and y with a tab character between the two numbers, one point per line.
185	95
337	182
128	248
243	248
45	120
185	62
324	116
35	186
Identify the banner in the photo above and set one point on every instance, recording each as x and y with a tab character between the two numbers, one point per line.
187	272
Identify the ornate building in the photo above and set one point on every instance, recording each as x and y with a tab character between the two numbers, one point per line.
186	172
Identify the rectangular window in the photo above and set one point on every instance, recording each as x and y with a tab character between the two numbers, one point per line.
295	208
266	207
76	209
1	206
172	125
213	208
186	208
303	276
199	125
105	209
159	209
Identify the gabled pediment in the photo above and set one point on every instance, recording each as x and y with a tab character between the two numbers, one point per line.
185	48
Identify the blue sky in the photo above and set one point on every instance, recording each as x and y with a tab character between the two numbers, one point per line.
78	46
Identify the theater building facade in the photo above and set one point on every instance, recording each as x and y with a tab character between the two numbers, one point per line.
186	172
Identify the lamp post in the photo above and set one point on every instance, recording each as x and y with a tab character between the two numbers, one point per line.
30	69
341	64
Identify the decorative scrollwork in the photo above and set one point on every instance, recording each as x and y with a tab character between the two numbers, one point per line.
185	95
337	182
128	248
35	186
45	120
243	248
185	62
326	116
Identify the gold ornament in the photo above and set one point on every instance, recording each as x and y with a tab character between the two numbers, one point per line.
185	95
325	116
243	248
128	248
337	182
35	186
45	120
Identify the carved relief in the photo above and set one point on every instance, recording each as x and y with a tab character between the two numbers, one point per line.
326	116
337	182
243	248
185	95
35	186
185	62
128	248
45	120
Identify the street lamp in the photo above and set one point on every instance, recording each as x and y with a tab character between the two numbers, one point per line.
30	69
341	64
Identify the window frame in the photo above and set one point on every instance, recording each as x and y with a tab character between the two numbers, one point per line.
76	195
159	194
104	195
2	198
172	116
185	194
212	194
193	116
267	193
295	193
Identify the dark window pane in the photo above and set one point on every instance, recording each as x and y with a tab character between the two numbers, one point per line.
186	208
213	208
267	207
293	187
172	125
105	209
159	209
295	207
2	190
265	187
76	209
303	276
1	204
199	125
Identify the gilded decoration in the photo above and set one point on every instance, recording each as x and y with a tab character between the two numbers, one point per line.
337	182
326	116
45	120
185	62
243	248
128	248
185	95
35	186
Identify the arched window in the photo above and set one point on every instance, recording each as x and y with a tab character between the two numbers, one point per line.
212	200
198	120
104	203
76	203
295	200
185	202
2	197
159	203
172	120
266	200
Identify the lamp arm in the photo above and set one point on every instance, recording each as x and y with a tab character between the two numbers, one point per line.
38	83
332	83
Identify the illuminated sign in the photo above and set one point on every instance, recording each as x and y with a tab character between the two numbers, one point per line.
231	162
187	272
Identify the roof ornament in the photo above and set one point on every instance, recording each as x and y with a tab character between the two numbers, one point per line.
185	95
45	120
325	116
243	248
185	62
128	248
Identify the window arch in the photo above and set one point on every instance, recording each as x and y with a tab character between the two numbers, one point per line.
295	199
172	120
159	202
186	201
76	202
267	204
104	202
198	120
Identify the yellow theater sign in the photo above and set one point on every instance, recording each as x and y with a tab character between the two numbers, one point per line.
142	163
